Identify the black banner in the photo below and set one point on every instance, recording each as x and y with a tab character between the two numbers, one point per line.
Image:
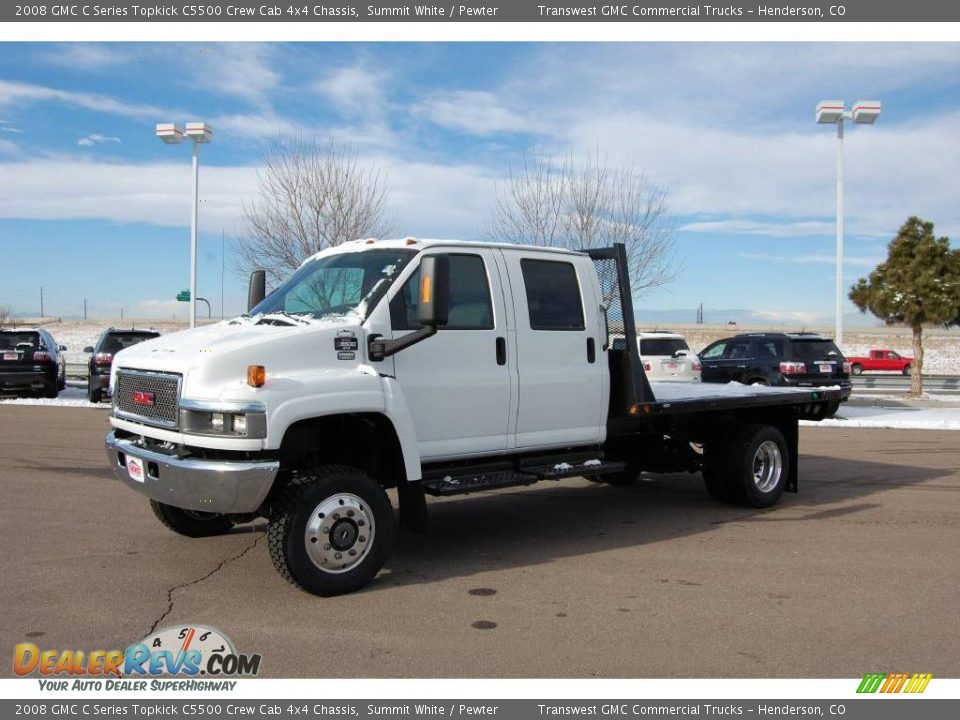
480	11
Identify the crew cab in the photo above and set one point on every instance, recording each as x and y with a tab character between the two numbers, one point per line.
434	367
881	360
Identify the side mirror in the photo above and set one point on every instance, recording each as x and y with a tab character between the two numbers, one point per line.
88	349
433	308
257	289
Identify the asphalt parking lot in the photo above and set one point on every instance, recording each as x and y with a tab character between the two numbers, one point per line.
857	573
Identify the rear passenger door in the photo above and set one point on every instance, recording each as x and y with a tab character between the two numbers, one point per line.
559	351
458	384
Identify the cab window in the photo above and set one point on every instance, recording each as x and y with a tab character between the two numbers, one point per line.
553	295
470	304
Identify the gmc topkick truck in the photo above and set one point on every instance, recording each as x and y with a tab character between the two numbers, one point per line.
433	367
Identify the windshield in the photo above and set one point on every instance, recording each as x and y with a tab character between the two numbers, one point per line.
335	285
662	346
812	350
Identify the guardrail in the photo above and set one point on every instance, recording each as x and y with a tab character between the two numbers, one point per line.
879	384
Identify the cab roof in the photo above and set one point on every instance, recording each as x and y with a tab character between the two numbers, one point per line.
418	244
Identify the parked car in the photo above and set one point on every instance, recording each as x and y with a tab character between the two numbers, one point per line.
791	359
881	360
665	355
31	360
110	343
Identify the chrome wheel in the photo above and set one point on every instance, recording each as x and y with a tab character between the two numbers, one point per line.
339	533
767	466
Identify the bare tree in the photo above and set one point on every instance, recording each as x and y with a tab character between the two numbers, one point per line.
311	196
5	313
586	205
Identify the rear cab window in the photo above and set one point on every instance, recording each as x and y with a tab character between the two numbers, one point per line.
115	342
553	295
10	340
813	350
666	347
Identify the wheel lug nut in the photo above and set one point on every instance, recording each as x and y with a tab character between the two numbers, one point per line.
362	539
324	530
336	516
326	547
350	513
361	523
352	553
338	556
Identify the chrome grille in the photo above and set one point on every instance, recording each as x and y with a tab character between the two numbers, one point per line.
148	397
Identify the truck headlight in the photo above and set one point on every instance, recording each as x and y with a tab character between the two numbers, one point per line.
247	420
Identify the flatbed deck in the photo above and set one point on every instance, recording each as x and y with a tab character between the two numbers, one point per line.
680	397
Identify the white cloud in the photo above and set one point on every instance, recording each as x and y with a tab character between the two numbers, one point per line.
239	69
14	93
474	111
86	56
156	193
799	317
812	259
354	91
96	139
773	228
8	147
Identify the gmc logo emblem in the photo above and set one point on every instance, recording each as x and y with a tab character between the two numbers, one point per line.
141	397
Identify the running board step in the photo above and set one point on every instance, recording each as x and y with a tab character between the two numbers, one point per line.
462	484
562	470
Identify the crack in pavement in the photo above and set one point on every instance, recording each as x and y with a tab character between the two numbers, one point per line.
181	586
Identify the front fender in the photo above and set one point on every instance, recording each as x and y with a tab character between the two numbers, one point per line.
347	393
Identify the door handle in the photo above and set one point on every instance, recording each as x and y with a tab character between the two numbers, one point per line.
501	351
591	350
741	367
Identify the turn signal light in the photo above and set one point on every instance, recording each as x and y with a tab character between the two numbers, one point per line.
425	290
256	375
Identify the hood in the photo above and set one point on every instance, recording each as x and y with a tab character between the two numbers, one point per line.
214	358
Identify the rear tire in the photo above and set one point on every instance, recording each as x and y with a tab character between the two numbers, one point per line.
51	390
751	469
95	395
191	523
331	530
907	370
856	369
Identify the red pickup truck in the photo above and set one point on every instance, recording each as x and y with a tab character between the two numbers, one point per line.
881	359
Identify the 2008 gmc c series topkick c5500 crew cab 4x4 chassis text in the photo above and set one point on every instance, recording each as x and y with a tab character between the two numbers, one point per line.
435	367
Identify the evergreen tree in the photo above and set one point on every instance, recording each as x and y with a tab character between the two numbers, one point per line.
918	283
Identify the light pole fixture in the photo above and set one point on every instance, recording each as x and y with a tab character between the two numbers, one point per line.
833	112
199	133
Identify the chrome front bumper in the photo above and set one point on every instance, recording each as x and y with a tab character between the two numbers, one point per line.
208	485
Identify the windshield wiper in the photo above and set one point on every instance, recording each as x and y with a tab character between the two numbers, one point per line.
273	317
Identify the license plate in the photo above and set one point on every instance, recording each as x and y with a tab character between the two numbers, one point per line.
10	356
671	365
135	468
826	369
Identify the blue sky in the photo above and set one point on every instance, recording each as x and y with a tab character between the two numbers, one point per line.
93	206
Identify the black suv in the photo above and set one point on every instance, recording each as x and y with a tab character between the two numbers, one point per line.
31	360
110	343
792	359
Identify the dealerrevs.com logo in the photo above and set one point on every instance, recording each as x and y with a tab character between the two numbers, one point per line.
182	651
894	683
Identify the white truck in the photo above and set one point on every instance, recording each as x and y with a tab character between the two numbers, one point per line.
433	367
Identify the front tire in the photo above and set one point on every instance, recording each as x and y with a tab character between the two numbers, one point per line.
191	523
857	369
331	530
95	395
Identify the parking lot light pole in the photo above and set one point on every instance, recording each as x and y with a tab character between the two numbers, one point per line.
172	135
864	112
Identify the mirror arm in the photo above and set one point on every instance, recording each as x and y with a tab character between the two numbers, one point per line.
379	347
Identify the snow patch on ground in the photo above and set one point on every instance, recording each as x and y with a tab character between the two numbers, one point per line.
900	418
71	397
